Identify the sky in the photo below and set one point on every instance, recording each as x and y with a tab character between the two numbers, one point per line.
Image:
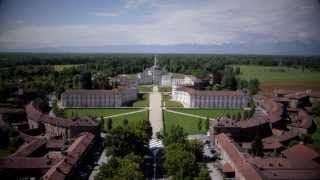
204	26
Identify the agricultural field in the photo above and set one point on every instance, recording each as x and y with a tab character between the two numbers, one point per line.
168	103
211	113
73	112
143	101
60	67
281	77
189	124
145	88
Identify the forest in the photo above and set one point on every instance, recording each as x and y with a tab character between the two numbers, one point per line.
35	71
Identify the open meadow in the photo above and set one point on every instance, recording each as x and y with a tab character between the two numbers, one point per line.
281	77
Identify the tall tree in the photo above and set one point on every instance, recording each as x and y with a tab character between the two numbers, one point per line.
175	135
85	80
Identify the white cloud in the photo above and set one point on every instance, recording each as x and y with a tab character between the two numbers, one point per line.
190	22
106	14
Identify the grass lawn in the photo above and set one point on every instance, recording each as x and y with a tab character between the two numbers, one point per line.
189	124
143	101
145	88
73	112
60	67
169	103
165	89
132	118
281	77
211	113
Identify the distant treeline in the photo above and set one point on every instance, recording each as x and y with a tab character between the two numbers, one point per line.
168	61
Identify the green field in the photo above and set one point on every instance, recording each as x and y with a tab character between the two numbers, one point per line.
98	112
211	113
60	67
168	103
189	124
278	74
145	88
132	118
143	102
281	77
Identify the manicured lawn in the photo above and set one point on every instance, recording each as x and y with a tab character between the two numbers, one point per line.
73	112
168	103
165	89
60	67
142	102
132	118
145	88
281	77
189	124
211	113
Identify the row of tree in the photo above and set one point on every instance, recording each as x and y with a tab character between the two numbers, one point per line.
126	147
183	157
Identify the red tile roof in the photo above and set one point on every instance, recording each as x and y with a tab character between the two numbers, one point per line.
273	114
74	153
237	158
227	168
300	151
28	148
38	116
26	163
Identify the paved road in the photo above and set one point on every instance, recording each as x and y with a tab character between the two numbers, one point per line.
155	116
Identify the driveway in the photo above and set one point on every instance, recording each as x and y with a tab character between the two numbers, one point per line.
155	116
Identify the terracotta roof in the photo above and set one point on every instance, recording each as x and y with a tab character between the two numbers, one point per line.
55	143
237	158
267	145
300	151
196	92
26	163
227	168
36	115
273	114
74	153
28	148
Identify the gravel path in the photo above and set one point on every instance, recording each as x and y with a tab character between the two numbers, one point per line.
122	114
186	114
155	115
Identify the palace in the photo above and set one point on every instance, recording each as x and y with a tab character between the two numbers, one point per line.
99	98
192	98
154	75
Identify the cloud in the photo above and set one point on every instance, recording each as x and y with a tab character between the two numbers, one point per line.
191	22
135	3
106	14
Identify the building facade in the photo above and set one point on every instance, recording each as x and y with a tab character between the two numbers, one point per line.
192	98
98	98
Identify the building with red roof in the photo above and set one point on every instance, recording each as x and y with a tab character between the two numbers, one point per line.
59	127
295	163
193	98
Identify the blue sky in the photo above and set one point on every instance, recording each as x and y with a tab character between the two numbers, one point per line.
67	24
